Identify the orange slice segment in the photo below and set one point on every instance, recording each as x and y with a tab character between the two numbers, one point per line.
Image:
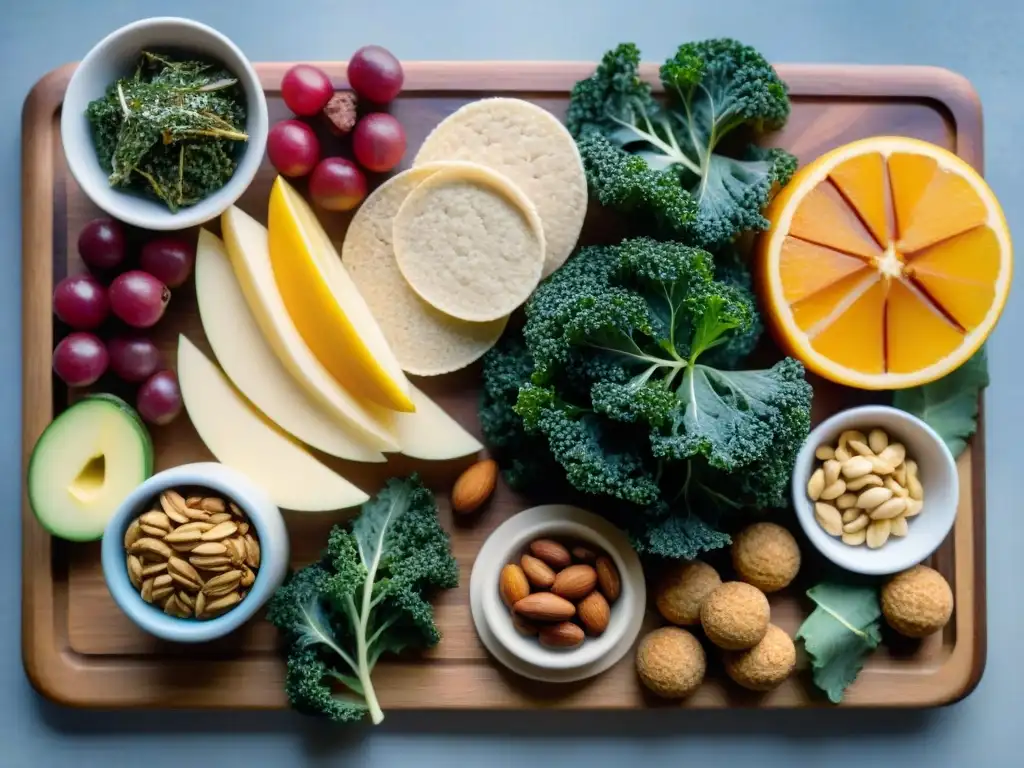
916	332
887	263
845	339
860	179
825	218
807	268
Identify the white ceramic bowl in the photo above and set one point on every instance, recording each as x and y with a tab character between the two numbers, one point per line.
115	56
936	470
263	515
493	619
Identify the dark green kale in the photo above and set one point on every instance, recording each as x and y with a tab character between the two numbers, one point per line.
171	130
367	595
667	162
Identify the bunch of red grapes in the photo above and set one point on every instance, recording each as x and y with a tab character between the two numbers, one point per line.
136	297
378	139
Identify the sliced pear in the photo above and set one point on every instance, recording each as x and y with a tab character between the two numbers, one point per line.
247	247
325	305
239	437
432	434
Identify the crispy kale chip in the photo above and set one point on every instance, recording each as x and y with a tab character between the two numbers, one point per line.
367	595
692	181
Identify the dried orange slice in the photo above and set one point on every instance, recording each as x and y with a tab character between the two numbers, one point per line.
887	263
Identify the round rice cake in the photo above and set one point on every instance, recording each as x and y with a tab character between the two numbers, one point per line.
531	147
470	243
426	342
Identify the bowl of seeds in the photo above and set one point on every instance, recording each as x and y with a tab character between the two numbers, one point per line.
194	552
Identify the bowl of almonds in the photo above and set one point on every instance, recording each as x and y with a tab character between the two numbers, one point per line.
875	489
194	552
557	593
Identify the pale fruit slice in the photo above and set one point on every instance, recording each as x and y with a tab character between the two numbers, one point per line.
252	366
239	437
432	434
326	306
887	263
246	242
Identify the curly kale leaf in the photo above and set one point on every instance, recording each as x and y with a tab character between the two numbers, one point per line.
367	596
660	532
713	89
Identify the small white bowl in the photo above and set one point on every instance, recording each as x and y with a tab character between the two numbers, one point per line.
264	517
493	619
936	470
115	56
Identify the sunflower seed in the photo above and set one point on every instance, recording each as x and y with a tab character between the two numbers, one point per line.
135	571
216	568
248	577
209	562
182	536
150	546
213	504
210	549
197	514
184	573
243	528
152	530
173	506
252	551
219	517
159	593
221	604
222	584
133	534
186	599
154	569
236	510
156	520
200	606
193	501
236	549
221	531
171	607
147	590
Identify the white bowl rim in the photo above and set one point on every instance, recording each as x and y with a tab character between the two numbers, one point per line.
524	655
153	217
862	560
263	515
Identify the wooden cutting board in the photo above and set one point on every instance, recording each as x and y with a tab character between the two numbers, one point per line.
79	649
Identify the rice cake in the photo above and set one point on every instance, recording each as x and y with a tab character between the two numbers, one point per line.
426	342
529	145
470	243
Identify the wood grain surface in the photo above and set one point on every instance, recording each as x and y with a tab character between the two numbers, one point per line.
80	650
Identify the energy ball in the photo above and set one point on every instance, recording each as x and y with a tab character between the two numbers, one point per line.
671	662
735	616
766	665
766	555
917	602
683	589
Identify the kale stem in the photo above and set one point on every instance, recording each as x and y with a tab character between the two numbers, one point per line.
124	104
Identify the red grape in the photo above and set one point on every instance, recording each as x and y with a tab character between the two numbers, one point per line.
378	142
80	359
306	89
375	74
159	398
133	358
101	243
138	298
81	302
168	259
293	148
337	184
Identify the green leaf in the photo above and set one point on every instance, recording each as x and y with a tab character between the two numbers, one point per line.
840	633
949	405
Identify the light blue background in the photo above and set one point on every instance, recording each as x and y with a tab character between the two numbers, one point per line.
980	38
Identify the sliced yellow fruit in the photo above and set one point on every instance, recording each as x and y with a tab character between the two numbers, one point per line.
430	433
246	242
326	307
934	254
250	363
239	437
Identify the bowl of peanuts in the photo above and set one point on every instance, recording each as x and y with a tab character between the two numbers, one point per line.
194	552
875	489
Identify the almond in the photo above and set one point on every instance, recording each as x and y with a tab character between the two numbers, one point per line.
524	626
537	572
594	613
544	606
512	584
575	582
608	578
551	552
584	555
562	635
474	487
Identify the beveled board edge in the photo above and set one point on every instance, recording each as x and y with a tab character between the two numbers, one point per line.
63	676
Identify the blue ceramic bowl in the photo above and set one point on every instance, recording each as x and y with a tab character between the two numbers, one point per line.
263	515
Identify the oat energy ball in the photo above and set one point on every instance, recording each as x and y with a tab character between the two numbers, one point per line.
683	589
766	665
766	555
671	662
735	616
918	602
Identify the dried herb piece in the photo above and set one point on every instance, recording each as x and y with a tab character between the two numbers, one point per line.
171	130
